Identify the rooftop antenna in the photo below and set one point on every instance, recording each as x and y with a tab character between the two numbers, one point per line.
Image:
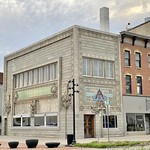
127	26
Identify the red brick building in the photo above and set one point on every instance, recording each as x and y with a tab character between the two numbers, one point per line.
135	65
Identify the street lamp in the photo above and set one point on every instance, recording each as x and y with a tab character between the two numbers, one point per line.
73	95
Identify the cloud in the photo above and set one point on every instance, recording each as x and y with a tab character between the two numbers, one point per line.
24	22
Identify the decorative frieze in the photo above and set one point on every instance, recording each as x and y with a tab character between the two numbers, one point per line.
96	34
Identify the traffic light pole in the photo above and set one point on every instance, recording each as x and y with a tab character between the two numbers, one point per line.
73	97
74	134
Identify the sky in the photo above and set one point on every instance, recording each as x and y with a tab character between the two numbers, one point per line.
23	22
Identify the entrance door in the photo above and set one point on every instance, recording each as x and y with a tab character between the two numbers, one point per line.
88	126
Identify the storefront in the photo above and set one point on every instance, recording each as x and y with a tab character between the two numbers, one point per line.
137	119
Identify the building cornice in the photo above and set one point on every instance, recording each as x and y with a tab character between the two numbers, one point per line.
40	44
134	37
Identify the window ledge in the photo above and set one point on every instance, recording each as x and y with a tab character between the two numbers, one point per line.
128	66
139	68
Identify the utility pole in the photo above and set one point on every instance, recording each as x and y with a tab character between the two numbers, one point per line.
73	95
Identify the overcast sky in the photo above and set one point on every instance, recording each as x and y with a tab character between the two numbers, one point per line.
23	22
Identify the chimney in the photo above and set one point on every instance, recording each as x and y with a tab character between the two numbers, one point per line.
104	19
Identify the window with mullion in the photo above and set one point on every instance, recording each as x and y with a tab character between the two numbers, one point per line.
112	121
45	76
109	69
138	60
21	80
98	68
51	71
86	66
30	77
135	122
127	58
55	71
17	80
40	75
128	84
35	76
25	78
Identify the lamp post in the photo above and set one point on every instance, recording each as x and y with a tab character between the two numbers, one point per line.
73	95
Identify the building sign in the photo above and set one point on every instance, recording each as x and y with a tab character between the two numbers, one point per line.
36	92
99	93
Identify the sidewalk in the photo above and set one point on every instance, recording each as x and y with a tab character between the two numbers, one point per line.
41	145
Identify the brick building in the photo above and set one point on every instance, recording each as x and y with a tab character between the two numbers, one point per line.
135	66
37	100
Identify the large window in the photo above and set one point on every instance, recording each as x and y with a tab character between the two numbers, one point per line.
139	84
138	60
45	120
112	121
21	121
135	122
98	68
127	58
35	76
128	84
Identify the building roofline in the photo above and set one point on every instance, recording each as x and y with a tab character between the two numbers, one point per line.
40	44
138	25
131	34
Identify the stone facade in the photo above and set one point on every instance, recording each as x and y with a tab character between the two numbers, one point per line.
32	100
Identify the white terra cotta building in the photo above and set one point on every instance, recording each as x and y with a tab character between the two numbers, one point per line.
37	100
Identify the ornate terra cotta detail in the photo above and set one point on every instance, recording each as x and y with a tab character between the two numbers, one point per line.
100	106
7	107
16	96
66	100
32	108
54	89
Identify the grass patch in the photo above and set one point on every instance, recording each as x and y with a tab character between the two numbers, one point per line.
112	144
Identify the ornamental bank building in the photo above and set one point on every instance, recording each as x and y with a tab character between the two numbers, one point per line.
37	99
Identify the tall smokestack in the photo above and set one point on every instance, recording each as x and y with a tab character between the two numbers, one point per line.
104	19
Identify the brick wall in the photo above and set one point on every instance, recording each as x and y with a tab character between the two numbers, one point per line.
144	71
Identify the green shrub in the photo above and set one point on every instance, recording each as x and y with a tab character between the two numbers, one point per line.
112	144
